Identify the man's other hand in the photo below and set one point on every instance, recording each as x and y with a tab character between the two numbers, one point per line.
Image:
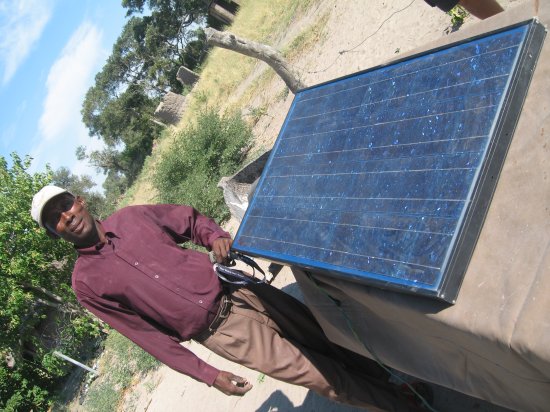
221	247
231	384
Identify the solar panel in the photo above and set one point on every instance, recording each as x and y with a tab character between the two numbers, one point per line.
384	177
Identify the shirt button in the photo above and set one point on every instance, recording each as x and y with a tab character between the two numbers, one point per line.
136	263
200	301
156	276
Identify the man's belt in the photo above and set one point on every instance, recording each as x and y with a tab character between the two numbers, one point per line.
223	312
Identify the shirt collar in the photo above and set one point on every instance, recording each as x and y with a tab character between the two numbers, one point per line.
96	249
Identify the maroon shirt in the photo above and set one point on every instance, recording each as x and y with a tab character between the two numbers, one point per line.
143	284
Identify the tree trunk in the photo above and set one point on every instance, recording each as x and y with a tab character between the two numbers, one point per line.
257	50
54	301
38	289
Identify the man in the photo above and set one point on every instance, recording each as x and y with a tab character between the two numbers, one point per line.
132	274
482	9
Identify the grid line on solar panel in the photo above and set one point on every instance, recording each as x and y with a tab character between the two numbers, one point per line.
343	251
347	239
351	225
434	91
381	147
428	64
445	86
379	136
408	95
381	116
350	163
418	109
442	208
408	273
368	173
365	198
393	121
401	220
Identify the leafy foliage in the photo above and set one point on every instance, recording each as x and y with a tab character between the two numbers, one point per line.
122	121
458	14
142	67
38	311
200	156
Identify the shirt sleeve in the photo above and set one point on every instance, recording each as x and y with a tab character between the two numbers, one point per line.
148	337
185	223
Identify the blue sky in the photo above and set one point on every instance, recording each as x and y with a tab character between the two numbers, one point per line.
50	51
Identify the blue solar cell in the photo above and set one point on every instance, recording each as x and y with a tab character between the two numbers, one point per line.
375	177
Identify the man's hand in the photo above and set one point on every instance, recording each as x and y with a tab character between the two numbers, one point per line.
221	247
231	384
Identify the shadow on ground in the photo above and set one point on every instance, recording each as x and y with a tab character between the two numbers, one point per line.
446	400
278	401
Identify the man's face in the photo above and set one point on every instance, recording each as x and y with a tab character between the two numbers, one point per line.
68	217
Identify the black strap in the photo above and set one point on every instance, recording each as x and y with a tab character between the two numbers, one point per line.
235	276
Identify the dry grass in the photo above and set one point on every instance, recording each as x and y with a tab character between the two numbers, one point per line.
223	81
307	39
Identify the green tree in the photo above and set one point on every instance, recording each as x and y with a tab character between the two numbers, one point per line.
38	310
169	34
124	122
142	67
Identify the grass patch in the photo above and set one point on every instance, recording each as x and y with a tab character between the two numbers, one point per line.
202	153
102	397
221	73
224	70
308	38
121	363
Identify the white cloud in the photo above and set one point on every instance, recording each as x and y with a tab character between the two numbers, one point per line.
60	127
68	81
21	25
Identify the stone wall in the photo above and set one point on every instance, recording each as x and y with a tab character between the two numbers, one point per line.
171	109
187	77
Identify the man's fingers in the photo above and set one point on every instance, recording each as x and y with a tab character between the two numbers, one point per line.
221	247
242	390
238	380
241	385
231	384
225	245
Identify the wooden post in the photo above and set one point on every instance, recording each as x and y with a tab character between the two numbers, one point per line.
260	51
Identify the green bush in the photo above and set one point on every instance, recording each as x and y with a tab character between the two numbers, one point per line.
38	309
203	153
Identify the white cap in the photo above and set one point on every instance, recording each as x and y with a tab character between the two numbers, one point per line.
40	199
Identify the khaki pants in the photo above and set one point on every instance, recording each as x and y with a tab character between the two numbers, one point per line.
250	337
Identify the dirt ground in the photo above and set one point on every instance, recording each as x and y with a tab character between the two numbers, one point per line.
358	35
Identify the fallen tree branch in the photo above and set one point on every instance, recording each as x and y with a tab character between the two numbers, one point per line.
260	51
